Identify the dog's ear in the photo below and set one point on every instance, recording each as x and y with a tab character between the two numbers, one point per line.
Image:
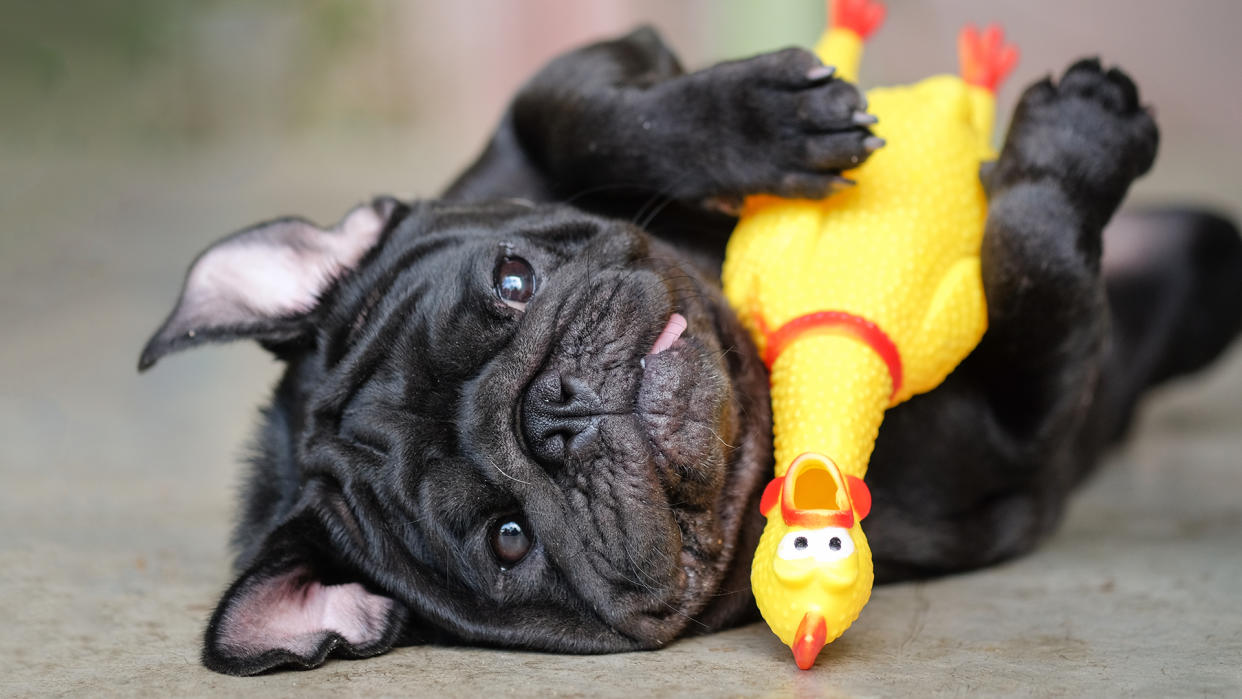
302	599
264	282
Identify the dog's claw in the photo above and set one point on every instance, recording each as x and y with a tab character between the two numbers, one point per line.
730	205
820	73
864	119
840	184
873	143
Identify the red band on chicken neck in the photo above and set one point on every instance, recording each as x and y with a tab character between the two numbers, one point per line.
843	323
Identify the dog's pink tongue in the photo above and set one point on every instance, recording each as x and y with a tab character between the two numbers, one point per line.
673	330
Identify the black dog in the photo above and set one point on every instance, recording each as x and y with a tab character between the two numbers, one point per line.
474	443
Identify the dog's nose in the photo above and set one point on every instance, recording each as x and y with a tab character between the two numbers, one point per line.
559	415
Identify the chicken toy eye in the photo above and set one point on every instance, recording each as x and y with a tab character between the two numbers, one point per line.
796	545
835	544
510	542
828	544
514	281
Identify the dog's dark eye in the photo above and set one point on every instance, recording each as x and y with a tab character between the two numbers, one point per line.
515	281
509	542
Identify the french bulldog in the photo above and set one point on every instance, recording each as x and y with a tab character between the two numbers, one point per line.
523	415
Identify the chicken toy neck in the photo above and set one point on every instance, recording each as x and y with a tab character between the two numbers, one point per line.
858	302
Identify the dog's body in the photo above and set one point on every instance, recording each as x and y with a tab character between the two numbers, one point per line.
473	443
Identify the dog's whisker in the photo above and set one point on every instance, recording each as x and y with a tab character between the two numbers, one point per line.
496	466
598	189
663	602
718	437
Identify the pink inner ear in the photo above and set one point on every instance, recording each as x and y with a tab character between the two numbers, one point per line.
275	270
294	612
264	280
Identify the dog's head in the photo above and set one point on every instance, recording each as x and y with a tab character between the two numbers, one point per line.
491	430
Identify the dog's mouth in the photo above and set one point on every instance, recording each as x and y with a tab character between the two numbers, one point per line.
680	397
666	362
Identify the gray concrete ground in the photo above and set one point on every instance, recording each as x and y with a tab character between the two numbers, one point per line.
116	490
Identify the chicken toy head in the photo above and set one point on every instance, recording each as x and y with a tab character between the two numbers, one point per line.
812	572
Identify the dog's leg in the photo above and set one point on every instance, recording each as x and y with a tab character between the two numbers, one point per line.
1071	153
977	470
1174	284
511	165
621	116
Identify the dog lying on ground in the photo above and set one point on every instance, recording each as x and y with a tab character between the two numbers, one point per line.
489	433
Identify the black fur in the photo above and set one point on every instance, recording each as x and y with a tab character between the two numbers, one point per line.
403	430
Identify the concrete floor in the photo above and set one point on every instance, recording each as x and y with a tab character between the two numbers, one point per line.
116	492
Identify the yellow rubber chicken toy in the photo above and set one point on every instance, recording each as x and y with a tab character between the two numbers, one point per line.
858	302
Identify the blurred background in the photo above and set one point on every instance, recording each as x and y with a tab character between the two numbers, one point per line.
135	132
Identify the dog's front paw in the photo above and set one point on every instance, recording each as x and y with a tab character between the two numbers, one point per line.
1088	128
782	124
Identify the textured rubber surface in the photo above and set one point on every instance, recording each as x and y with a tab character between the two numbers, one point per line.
898	254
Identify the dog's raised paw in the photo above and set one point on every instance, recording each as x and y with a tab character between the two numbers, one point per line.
1089	126
793	126
1112	89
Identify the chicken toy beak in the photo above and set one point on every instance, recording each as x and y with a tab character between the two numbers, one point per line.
810	640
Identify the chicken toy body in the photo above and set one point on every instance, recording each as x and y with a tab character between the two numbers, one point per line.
858	302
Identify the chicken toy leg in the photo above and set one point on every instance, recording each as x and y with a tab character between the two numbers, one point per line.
857	303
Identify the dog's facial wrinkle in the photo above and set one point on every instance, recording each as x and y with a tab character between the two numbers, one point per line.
629	531
601	482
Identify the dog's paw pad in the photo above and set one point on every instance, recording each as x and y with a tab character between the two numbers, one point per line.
1089	126
1111	89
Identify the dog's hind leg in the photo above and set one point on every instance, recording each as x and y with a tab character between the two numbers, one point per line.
1071	153
1174	285
977	470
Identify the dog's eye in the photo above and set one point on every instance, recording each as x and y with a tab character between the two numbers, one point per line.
515	281
510	542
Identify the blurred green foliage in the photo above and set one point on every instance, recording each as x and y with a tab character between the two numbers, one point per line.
152	70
